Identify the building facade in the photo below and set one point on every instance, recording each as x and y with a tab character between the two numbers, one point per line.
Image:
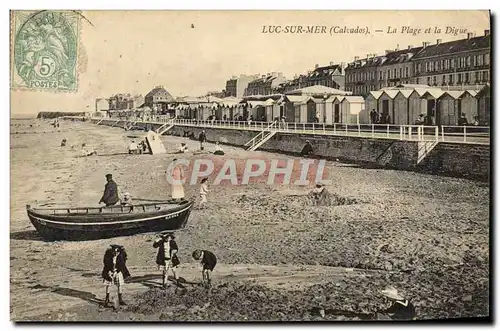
122	101
158	99
464	62
361	75
397	68
331	75
236	86
265	85
459	64
101	104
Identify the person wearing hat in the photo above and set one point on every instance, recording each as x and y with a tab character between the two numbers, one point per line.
167	256
127	199
115	271
110	195
307	149
208	260
401	308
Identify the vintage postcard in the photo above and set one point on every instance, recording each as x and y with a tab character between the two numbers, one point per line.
250	165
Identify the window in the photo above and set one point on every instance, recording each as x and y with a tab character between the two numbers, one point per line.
468	61
487	59
475	60
452	63
388	74
441	65
418	80
407	72
450	79
428	80
395	74
478	78
427	66
459	81
444	80
434	80
447	64
467	77
380	75
485	76
431	66
400	72
436	64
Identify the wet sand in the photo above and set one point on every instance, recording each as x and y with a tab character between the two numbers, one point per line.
406	229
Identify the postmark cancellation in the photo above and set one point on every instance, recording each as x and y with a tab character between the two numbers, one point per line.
44	50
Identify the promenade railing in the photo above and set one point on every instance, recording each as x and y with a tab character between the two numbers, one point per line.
461	134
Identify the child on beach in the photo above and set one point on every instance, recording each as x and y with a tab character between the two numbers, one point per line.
208	262
203	191
115	271
167	256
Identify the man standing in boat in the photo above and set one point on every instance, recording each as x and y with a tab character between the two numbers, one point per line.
167	256
177	177
110	196
115	271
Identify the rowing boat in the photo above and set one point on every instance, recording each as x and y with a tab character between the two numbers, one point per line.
88	223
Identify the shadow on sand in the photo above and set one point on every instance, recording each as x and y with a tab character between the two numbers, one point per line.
87	296
26	235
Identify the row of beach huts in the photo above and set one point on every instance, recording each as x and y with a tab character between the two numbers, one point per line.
399	105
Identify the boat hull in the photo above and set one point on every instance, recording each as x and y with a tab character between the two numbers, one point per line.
93	227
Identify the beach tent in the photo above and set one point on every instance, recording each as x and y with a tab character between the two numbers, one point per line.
484	105
351	108
386	104
401	107
155	144
371	102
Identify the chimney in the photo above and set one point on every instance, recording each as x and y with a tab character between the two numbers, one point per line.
438	41
356	58
486	32
387	51
331	63
263	76
397	47
425	44
316	66
410	47
469	35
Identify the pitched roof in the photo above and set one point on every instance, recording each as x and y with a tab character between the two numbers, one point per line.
375	94
159	90
297	98
391	93
455	46
435	93
453	94
405	93
318	90
401	56
353	99
321	72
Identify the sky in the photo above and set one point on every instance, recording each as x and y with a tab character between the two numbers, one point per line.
193	52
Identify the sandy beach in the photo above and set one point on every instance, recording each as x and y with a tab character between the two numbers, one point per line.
427	235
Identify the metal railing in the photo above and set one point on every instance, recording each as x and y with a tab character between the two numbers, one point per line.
463	134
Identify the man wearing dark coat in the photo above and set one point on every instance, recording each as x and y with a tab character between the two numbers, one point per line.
115	271
110	196
167	256
202	138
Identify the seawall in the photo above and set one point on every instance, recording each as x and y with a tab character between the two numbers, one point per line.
451	159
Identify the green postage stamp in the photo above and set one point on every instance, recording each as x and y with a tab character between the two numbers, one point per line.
45	50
